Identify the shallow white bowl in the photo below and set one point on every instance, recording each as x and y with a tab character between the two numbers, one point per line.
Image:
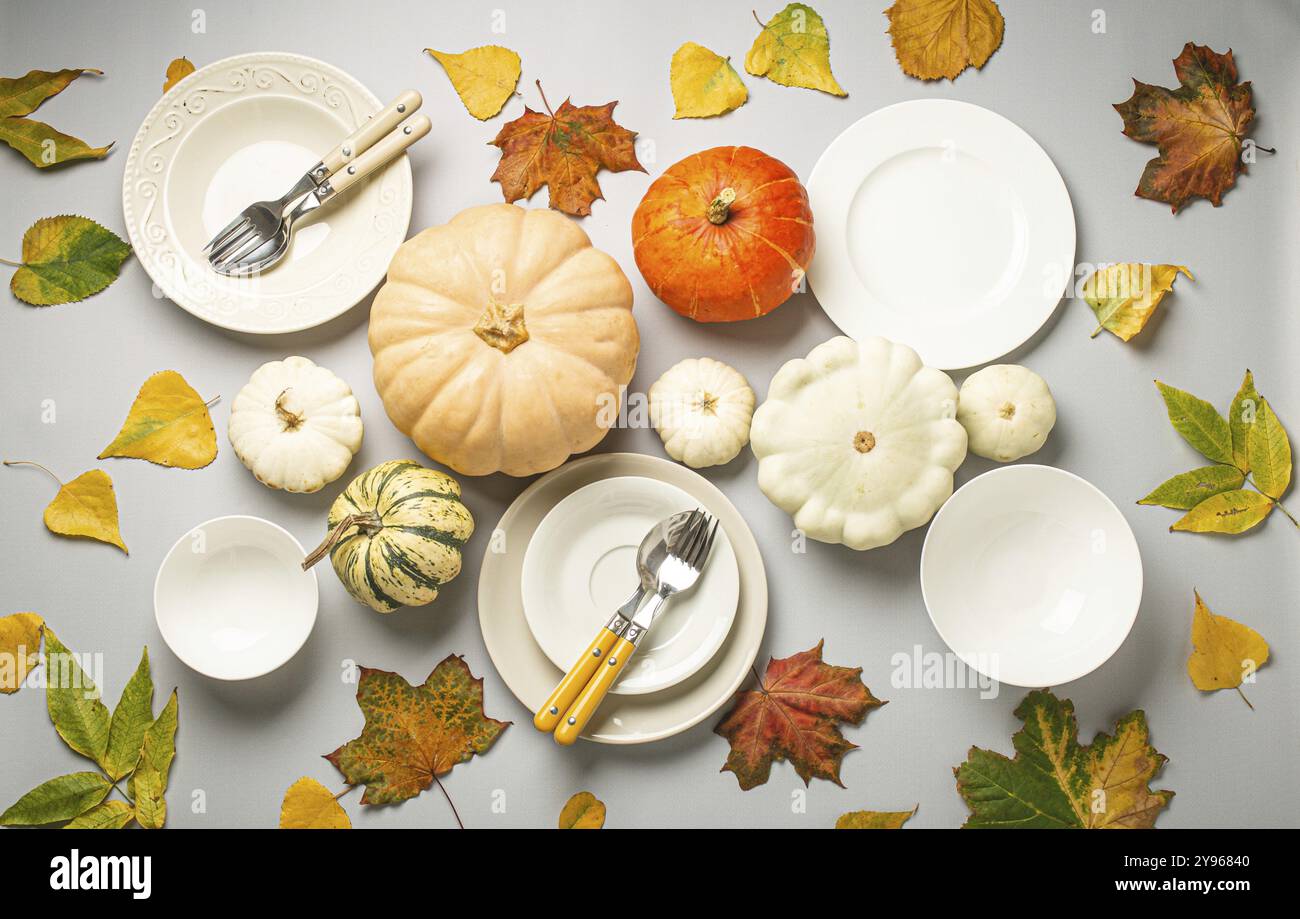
1031	575
580	565
231	598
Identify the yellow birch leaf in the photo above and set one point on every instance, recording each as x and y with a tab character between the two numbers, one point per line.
941	38
583	812
309	805
874	820
168	424
794	49
704	84
20	643
1224	652
86	506
484	78
1125	295
177	70
1230	512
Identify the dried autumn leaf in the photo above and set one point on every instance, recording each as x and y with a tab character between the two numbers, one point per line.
57	799
935	39
309	805
484	78
793	715
20	646
584	811
794	49
1054	782
131	718
148	784
66	259
563	150
1269	451
41	144
1224	652
168	424
73	702
1230	512
414	734
1198	128
177	70
704	84
108	815
874	820
1125	295
1188	489
1199	423
1241	415
86	506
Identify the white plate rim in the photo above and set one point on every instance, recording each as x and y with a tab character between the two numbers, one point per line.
852	308
753	597
1137	552
178	103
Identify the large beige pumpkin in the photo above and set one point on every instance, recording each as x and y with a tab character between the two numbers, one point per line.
502	339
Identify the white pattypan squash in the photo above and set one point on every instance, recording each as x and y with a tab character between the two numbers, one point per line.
858	441
295	425
701	409
1007	410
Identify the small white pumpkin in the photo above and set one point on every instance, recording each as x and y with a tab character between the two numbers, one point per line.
1007	410
295	425
858	441
702	409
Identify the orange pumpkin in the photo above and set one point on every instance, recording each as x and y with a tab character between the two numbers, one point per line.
725	234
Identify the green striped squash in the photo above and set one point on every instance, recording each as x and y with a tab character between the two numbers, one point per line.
396	534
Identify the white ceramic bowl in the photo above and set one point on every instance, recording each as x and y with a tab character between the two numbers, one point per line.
1031	575
231	598
580	566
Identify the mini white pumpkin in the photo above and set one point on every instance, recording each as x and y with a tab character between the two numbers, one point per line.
1007	410
702	409
858	441
295	425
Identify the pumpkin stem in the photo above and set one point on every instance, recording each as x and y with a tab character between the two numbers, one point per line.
708	403
864	441
1007	410
502	326
368	520
720	207
292	420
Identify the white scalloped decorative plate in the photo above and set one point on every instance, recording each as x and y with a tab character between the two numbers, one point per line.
242	130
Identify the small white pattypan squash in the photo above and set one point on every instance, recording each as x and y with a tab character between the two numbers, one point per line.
702	408
1007	410
858	441
295	425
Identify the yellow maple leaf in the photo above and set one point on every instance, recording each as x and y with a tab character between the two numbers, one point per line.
309	805
1125	295
1224	652
704	84
484	78
941	38
583	812
168	424
177	70
20	642
86	506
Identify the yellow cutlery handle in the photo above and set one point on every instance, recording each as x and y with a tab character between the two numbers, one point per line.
553	709
576	718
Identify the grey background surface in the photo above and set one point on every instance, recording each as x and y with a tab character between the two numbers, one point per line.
243	744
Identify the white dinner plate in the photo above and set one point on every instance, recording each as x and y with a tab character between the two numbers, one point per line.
530	674
1031	575
231	598
943	226
242	130
580	566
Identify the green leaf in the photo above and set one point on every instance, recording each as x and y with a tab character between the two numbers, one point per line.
1228	512
133	715
110	815
58	799
1241	416
79	716
65	259
1199	422
1269	450
1054	782
1186	490
41	144
148	785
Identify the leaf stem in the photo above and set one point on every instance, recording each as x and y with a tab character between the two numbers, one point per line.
55	477
1278	505
5	261
1244	699
754	13
1265	149
549	111
345	790
455	813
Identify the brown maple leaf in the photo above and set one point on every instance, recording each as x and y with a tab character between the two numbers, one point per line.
414	734
563	150
793	715
1198	127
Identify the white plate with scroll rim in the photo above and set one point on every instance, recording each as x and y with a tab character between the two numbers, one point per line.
580	565
941	225
242	130
1031	575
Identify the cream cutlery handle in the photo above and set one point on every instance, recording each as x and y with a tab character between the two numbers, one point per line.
376	127
384	150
